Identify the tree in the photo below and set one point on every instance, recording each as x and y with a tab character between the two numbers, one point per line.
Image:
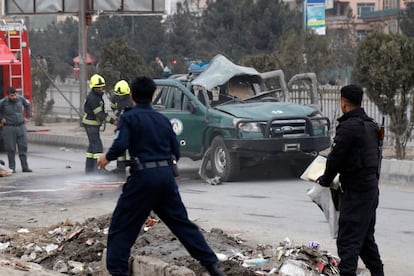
145	34
57	43
119	61
40	85
384	66
237	28
407	21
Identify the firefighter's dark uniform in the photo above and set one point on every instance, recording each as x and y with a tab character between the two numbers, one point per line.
148	136
355	155
14	130
118	105
92	120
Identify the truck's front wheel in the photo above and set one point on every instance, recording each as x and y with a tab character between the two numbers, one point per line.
223	163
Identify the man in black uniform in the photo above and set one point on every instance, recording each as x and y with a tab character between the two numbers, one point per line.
14	127
92	120
121	101
356	156
150	139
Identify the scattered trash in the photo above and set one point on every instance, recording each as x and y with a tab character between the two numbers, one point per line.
255	262
77	249
5	171
23	230
297	268
51	247
90	242
314	245
4	245
75	234
60	266
222	257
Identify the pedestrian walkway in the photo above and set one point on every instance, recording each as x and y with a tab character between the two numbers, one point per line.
68	133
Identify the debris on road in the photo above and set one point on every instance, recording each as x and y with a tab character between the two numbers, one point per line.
77	249
4	170
205	171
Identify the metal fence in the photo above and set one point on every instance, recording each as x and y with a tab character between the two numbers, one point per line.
68	91
329	104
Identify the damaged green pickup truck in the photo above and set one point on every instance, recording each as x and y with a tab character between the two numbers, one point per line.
242	117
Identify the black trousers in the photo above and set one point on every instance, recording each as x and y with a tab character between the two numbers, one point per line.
95	148
145	190
356	233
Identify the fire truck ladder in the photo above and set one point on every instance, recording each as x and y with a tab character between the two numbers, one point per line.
14	31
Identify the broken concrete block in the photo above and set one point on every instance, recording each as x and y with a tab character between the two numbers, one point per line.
149	266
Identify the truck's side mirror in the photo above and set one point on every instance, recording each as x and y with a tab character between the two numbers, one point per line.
191	107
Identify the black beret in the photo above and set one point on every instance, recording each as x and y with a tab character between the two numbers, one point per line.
11	90
353	93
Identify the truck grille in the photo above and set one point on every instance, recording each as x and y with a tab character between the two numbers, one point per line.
288	128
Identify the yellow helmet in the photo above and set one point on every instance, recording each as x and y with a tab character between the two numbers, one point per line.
121	88
96	81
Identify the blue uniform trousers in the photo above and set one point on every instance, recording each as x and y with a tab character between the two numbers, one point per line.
12	136
145	190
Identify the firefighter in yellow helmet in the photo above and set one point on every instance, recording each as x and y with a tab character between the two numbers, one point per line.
94	116
121	102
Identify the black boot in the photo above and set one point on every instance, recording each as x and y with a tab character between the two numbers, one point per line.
214	270
91	166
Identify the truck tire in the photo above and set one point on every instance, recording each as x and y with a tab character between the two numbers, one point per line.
223	163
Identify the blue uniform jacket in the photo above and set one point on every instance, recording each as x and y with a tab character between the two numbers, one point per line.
146	133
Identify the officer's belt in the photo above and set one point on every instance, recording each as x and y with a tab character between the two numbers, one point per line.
15	125
152	164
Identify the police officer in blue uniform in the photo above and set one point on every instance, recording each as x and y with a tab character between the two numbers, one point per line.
14	127
356	156
150	139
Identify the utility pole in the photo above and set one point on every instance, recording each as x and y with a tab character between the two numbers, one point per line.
82	55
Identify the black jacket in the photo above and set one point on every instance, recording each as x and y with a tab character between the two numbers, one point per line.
355	153
94	108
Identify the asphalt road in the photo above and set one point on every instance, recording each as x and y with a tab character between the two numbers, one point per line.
259	209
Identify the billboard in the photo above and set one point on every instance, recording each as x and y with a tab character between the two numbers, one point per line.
315	16
32	7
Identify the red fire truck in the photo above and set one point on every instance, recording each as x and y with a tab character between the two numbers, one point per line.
15	58
15	69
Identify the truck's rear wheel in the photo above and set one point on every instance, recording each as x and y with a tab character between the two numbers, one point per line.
223	163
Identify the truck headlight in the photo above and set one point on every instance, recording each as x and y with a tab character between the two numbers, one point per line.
250	127
320	127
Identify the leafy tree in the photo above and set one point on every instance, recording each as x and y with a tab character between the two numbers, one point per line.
57	43
407	21
385	67
144	33
237	28
40	85
119	61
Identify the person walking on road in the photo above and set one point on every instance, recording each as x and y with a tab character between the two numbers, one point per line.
14	127
121	101
151	141
94	117
356	156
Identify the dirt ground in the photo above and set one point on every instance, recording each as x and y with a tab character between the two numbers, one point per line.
74	248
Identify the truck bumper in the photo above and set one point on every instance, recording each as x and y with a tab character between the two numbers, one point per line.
275	148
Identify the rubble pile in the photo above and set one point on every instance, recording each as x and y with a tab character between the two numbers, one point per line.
76	249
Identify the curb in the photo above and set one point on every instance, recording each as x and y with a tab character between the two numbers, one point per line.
397	172
78	142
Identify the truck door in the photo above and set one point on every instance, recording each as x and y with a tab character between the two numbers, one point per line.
186	115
